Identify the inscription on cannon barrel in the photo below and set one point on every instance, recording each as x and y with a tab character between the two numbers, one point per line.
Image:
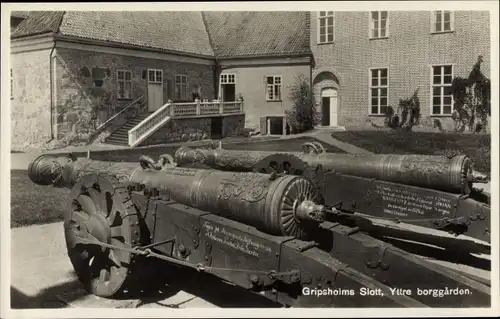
180	172
399	201
229	237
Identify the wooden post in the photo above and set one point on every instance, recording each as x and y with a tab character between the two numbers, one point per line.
172	108
221	107
240	100
198	111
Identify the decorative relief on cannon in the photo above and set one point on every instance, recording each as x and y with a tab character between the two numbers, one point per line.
248	187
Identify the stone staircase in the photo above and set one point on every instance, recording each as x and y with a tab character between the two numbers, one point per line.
120	136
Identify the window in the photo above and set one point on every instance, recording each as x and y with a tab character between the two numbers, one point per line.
378	91
11	85
442	97
155	76
378	24
227	79
181	87
442	21
325	27
124	84
273	92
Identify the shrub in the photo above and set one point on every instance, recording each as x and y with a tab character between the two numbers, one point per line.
407	115
302	117
472	100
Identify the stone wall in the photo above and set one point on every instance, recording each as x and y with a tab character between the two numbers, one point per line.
408	52
30	105
194	129
87	87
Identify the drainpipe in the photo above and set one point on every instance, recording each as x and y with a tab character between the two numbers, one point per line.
216	78
51	81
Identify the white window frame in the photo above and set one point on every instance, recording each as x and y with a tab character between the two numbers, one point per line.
433	21
11	85
125	82
180	87
441	85
227	78
327	14
273	86
378	87
157	77
371	25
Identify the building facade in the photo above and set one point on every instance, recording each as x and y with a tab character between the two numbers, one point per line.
366	62
72	71
260	55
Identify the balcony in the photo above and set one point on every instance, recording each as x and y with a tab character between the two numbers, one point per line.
171	110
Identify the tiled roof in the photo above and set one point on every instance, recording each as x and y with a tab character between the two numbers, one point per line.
173	31
19	14
223	34
38	22
252	34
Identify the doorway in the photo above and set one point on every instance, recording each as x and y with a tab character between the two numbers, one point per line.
155	89
275	125
228	87
216	127
329	107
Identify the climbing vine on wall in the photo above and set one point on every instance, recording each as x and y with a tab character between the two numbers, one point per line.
87	95
472	100
407	115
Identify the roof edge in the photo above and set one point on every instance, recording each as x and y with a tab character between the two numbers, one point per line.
34	35
81	40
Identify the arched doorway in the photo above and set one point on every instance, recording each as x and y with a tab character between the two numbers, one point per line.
329	107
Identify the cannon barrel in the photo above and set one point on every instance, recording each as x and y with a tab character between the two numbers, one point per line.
455	174
279	205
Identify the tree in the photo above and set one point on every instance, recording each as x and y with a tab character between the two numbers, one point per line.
302	117
472	100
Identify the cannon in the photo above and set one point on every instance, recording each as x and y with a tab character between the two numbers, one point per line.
430	191
271	234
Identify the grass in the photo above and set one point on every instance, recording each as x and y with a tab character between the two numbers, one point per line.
34	204
477	147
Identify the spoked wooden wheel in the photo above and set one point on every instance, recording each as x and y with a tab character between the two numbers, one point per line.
101	209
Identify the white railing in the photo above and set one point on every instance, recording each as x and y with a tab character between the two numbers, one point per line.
149	125
117	114
180	110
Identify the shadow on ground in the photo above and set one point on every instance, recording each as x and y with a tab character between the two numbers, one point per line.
47	298
206	287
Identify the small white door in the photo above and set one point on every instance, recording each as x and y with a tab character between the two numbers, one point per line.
330	97
334	110
155	89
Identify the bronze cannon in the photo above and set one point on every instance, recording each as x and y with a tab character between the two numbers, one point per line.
284	205
271	234
431	191
453	175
